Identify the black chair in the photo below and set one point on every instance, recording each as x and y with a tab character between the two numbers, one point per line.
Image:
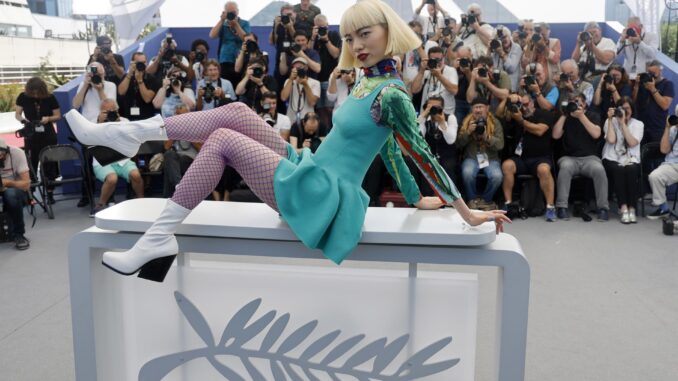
650	152
143	160
59	154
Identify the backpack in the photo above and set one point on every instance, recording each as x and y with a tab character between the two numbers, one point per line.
532	198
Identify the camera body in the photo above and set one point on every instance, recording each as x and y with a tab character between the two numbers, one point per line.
447	31
482	72
199	56
322	31
630	32
251	46
112	116
209	91
673	120
585	37
257	72
495	44
481	124
471	19
230	16
301	73
105	50
618	112
529	80
285	19
435	110
564	77
433	63
140	66
464	62
608	79
513	107
294	48
569	107
96	78
269	119
30	128
645	78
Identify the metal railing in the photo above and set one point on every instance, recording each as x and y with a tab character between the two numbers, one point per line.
21	74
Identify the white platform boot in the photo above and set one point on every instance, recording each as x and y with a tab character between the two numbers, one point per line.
123	137
154	252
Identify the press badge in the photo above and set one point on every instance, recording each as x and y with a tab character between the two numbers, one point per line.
40	128
134	111
633	69
483	160
519	149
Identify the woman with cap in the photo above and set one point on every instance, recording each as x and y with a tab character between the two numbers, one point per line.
378	117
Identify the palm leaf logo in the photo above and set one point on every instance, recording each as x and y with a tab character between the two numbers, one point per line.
285	367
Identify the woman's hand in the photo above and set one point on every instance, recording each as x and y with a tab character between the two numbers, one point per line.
429	203
499	217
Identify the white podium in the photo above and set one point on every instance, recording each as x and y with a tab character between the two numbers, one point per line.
102	301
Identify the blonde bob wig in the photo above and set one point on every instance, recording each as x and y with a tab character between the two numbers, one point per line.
401	38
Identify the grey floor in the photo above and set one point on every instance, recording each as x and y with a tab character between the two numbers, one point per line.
603	302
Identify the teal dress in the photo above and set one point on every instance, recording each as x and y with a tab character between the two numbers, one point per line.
320	195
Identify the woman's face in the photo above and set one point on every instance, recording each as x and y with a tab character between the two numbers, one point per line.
617	75
368	45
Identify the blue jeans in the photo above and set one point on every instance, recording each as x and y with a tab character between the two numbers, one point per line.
469	172
14	200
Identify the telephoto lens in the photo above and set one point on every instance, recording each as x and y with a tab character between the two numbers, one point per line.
585	37
571	107
673	120
141	66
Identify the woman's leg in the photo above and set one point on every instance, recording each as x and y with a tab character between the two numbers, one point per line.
255	162
197	126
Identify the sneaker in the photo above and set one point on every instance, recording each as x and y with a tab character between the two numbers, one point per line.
486	206
603	215
632	216
625	217
21	242
657	214
550	215
563	214
473	204
97	209
83	202
505	206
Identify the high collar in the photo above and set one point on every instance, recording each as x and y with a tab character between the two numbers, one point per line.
385	67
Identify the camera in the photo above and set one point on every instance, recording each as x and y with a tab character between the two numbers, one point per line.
564	77
301	73
140	66
584	37
608	79
322	31
645	78
209	91
618	112
295	48
630	32
500	31
257	72
96	78
231	16
482	72
269	119
673	120
433	63
29	129
105	50
537	30
169	53
529	80
471	19
480	126
199	56
496	75
447	31
168	39
448	21
495	44
435	110
112	116
464	62
251	46
536	37
569	107
513	107
285	19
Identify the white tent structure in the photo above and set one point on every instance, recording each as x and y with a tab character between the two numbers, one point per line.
131	15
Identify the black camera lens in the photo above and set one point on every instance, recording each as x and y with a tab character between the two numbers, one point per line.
644	78
105	50
564	77
448	21
433	63
495	44
301	73
464	62
295	48
141	66
482	72
471	19
231	16
513	107
673	120
447	31
631	32
322	31
618	112
285	19
176	82
96	79
585	37
522	35
536	37
435	110
257	72
480	126
111	116
571	107
608	79
500	31
251	46
529	80
199	56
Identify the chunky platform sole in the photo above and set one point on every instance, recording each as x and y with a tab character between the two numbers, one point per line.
154	270
105	155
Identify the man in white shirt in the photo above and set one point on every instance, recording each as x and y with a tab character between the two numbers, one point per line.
475	33
436	78
280	122
341	84
593	51
439	129
92	90
433	20
637	46
301	91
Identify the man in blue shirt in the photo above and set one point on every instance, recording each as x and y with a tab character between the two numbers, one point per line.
653	95
231	31
667	173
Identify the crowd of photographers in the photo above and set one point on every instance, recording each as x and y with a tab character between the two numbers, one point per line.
510	105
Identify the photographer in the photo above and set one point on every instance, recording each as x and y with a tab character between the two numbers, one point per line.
667	173
38	110
579	128
521	35
92	90
475	33
637	46
231	31
436	79
282	34
464	66
178	156
300	50
306	13
541	48
173	93
307	133
108	174
539	88
255	83
214	91
439	129
435	19
653	95
167	60
481	139
506	55
114	65
593	52
569	82
412	59
341	85
301	91
15	181
249	51
614	85
280	122
621	156
198	58
137	90
328	45
533	152
488	83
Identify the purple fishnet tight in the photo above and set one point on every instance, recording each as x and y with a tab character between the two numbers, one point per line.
198	126
254	161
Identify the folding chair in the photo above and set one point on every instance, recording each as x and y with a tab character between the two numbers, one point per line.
59	154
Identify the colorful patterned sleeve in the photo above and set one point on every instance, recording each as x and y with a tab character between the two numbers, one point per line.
397	112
